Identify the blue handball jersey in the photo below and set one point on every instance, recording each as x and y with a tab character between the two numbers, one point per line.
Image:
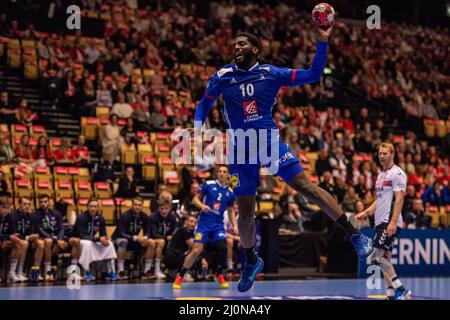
249	96
218	197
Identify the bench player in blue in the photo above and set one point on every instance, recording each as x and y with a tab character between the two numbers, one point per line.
248	92
217	197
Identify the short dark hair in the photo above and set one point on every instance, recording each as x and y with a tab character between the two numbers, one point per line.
138	199
254	40
43	196
92	199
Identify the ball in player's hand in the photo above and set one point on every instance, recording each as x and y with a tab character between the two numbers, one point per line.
323	15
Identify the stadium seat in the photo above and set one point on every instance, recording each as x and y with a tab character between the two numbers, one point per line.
62	174
89	128
82	205
82	176
42	174
149	168
102	190
63	189
43	187
144	150
265	206
83	190
102	112
23	187
108	210
128	153
433	212
110	231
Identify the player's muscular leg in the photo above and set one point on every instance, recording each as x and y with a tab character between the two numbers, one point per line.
149	248
39	251
191	258
23	247
76	251
48	243
317	195
159	248
246	220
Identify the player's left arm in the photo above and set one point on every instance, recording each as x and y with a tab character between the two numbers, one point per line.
297	77
399	189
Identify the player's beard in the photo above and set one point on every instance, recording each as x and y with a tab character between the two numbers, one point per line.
247	57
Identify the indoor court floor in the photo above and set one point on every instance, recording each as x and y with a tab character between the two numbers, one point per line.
341	289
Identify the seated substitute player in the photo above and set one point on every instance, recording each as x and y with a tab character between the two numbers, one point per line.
390	190
22	224
48	223
162	224
249	93
9	242
126	235
93	248
180	244
217	197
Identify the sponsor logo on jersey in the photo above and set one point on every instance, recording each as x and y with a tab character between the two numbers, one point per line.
387	183
250	107
233	80
221	72
285	157
198	236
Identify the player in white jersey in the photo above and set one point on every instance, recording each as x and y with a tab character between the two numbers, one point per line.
390	191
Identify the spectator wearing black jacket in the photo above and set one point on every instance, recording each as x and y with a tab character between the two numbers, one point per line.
323	162
84	235
49	226
23	225
416	218
162	223
127	184
126	237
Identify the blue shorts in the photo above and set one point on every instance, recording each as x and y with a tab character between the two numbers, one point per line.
245	177
209	231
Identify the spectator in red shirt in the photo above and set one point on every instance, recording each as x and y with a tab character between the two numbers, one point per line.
24	114
64	155
42	154
81	156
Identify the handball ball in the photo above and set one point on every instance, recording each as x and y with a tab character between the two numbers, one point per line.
323	15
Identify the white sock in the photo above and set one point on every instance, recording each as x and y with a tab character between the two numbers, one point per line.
396	283
20	268
121	265
74	262
157	265
148	265
47	266
109	266
229	264
13	266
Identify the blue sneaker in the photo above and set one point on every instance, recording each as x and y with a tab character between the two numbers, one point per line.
89	276
248	275
402	295
362	244
112	276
